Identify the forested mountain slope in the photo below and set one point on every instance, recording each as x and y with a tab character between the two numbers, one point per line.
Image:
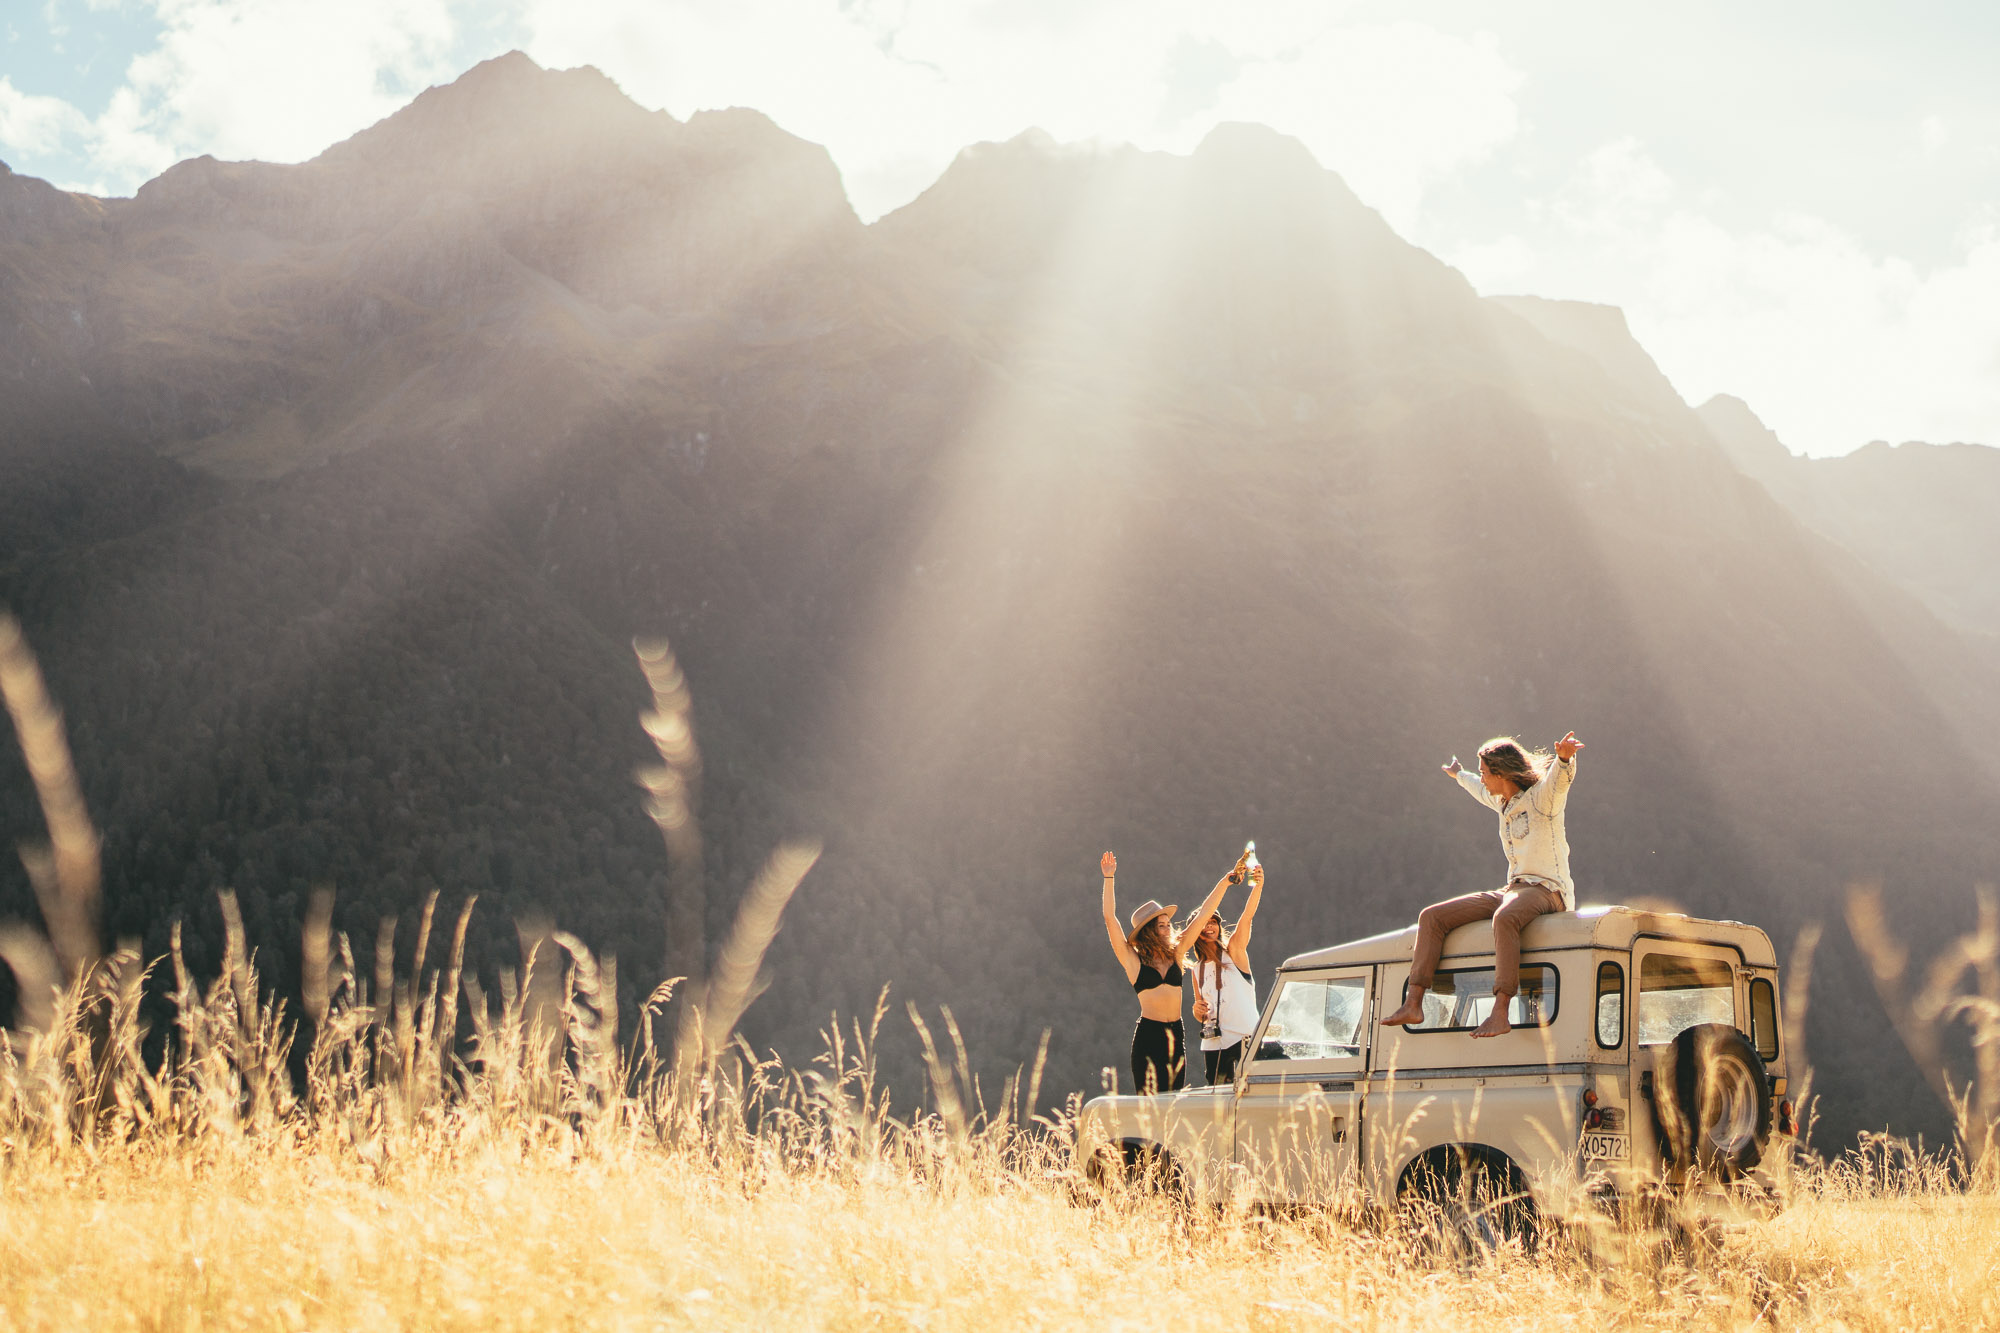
1091	500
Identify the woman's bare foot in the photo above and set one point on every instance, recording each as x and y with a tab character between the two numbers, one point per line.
1496	1024
1411	1012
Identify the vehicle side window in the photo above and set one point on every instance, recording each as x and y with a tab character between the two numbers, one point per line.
1764	1018
1316	1019
1678	993
1610	1005
1461	1000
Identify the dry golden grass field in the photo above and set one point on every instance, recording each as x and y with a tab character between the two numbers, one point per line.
477	1226
542	1176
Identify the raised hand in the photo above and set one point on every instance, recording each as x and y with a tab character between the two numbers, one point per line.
1454	768
1108	864
1567	747
1257	877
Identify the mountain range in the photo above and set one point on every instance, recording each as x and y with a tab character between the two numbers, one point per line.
1096	498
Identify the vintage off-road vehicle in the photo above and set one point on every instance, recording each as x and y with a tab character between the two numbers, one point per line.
1646	1053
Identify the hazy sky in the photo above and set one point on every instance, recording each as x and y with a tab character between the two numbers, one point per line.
1796	203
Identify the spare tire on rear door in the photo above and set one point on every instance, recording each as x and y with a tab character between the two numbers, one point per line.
1712	1101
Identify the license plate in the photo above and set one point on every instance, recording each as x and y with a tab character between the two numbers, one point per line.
1606	1145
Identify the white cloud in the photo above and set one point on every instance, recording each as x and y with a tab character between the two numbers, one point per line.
1614	188
271	79
1935	135
1830	344
893	88
35	124
1393	108
278	80
896	90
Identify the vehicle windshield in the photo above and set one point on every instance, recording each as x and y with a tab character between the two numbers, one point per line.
1316	1020
1677	993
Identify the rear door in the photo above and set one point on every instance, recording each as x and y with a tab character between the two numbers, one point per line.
1298	1100
1676	985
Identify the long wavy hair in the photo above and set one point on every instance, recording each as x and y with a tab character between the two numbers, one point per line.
1207	955
1507	758
1157	941
1205	952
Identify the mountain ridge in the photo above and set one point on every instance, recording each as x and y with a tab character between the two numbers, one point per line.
1180	504
1919	513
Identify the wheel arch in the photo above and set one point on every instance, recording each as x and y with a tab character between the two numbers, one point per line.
1447	1158
1132	1151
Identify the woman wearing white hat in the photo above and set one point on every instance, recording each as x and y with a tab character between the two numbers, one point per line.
1151	952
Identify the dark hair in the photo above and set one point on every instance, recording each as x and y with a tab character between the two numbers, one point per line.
1204	959
1504	757
1200	945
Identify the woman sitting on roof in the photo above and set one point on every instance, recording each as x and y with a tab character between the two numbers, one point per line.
1152	953
1528	789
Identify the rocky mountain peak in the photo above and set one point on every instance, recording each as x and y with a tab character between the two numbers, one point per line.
504	107
513	170
1258	160
1248	229
30	207
1750	444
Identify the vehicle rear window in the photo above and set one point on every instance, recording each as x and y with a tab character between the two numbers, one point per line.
1677	993
1610	1005
1461	1000
1316	1019
1764	1017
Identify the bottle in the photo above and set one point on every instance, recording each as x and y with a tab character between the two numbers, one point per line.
1250	861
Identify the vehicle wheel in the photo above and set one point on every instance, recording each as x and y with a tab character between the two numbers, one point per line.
1470	1202
1712	1101
1134	1165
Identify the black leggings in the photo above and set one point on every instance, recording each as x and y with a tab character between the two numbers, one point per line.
1221	1065
1157	1058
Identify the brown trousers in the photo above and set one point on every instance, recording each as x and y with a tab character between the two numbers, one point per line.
1511	908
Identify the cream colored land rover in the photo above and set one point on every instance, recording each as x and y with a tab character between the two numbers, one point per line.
1646	1053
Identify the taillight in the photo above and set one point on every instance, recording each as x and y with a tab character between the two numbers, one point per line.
1785	1118
1590	1096
1593	1118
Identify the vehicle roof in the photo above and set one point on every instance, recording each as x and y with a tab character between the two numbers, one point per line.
1592	926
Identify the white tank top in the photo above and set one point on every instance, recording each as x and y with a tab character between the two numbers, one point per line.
1238	1011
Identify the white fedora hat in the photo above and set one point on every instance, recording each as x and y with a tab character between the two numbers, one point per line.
1145	912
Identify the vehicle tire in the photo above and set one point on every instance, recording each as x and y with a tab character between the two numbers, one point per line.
1134	1165
1469	1201
1712	1101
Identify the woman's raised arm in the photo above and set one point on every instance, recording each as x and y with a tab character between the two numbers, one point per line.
1108	864
1553	791
1207	909
1239	940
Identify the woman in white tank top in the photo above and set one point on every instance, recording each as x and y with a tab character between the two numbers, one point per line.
1225	994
